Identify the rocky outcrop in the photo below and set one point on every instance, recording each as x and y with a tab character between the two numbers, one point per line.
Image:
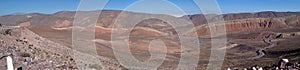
63	24
254	24
32	52
24	24
251	24
29	51
200	19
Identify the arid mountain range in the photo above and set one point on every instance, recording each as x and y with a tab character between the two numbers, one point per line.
246	34
234	22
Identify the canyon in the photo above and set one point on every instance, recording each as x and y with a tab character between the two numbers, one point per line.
245	33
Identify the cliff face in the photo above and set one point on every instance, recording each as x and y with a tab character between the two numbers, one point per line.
253	24
200	18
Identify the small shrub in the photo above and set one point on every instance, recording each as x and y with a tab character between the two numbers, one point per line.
96	66
24	54
8	32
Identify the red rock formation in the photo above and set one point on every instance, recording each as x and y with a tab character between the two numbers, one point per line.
63	24
24	24
253	24
247	25
144	31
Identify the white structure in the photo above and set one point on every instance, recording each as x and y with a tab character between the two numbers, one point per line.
228	69
282	63
9	61
285	60
260	68
253	68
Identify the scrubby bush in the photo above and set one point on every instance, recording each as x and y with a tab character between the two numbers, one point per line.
96	66
24	54
8	32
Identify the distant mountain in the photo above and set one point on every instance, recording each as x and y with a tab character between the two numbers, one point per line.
37	19
234	22
57	26
108	16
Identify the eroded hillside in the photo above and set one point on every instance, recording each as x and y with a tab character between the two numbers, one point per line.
32	52
246	33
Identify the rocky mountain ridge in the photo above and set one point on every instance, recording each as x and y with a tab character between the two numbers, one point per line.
234	22
31	52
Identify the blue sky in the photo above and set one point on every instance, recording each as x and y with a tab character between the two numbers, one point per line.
227	6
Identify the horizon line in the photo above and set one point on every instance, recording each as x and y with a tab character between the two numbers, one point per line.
253	12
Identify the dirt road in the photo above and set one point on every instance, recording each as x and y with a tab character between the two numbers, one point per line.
261	52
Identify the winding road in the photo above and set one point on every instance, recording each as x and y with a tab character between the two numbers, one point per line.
261	52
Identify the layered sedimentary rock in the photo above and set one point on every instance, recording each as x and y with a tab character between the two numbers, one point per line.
250	24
